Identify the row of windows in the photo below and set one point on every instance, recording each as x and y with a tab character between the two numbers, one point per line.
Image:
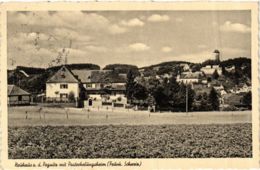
63	86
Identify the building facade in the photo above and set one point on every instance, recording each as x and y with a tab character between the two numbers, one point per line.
62	86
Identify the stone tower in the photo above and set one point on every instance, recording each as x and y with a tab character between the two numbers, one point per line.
217	55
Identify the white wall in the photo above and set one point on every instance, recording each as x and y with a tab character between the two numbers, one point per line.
188	81
51	88
210	71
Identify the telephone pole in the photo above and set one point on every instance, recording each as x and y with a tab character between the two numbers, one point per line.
187	98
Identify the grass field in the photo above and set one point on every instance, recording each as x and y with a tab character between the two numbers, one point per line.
124	141
75	117
127	134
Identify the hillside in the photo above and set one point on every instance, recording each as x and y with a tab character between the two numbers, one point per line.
33	79
166	64
85	66
122	68
171	67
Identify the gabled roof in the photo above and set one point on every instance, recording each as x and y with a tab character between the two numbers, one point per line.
14	90
190	76
83	75
63	75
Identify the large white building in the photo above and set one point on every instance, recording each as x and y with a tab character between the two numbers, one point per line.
91	84
62	84
210	69
189	77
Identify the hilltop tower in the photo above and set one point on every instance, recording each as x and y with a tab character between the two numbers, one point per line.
217	55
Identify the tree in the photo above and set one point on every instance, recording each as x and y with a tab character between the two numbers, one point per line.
224	71
130	86
140	92
213	99
247	99
161	99
191	96
215	75
71	96
196	67
204	104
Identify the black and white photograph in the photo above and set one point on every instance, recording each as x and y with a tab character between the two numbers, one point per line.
143	84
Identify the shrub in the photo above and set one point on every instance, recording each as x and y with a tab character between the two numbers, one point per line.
71	97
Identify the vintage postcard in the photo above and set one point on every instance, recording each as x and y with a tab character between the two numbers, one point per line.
129	85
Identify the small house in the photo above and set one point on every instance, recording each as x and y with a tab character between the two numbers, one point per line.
188	78
18	96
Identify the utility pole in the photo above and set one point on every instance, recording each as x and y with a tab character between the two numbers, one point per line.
12	64
187	99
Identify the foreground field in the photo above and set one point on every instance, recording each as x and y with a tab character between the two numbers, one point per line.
74	117
124	141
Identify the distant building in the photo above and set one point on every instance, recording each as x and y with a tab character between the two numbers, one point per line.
217	55
185	67
244	88
200	89
18	96
188	78
220	89
233	100
210	69
230	69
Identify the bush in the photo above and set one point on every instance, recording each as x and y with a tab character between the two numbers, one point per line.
71	97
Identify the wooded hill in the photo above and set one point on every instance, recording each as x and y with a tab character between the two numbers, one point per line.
37	77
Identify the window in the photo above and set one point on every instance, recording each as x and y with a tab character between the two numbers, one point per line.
64	86
63	96
89	85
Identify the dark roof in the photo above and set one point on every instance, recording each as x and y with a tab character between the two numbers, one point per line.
14	90
83	75
216	51
106	77
63	75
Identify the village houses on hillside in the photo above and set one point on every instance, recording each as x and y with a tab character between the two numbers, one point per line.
201	81
97	88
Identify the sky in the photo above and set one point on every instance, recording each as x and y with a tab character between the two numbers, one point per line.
142	38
